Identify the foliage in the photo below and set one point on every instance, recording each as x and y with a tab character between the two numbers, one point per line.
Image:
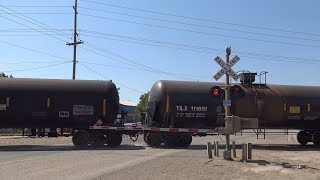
5	76
141	105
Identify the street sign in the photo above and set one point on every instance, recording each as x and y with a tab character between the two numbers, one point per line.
227	102
226	68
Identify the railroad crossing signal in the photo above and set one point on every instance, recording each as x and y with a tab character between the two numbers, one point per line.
226	68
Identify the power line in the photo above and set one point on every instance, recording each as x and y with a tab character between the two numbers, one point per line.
29	49
109	78
201	19
42	25
38	6
28	26
139	40
200	32
130	68
133	63
203	26
40	67
32	62
32	30
55	13
26	35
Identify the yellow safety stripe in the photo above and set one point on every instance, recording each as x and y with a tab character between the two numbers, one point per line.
284	105
104	107
167	105
48	102
8	101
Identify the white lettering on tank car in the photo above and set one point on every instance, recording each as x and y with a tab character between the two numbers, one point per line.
199	108
219	109
83	110
64	114
3	107
293	117
311	117
182	108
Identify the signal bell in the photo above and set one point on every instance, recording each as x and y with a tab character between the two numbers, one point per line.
216	91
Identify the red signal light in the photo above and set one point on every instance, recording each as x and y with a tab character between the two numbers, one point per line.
215	92
235	91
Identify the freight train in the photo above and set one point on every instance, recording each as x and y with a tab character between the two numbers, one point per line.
176	110
182	104
47	103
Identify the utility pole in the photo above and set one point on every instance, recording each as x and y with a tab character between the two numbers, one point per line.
75	42
227	97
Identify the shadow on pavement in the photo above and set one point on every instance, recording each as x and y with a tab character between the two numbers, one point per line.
65	148
286	147
275	147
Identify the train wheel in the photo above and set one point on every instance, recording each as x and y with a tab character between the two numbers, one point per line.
145	139
98	139
303	137
82	139
171	140
185	139
114	139
153	139
316	138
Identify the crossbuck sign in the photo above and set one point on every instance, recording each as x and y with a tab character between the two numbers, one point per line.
226	68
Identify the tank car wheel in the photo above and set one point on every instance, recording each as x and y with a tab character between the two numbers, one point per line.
316	138
114	139
302	137
145	139
82	139
171	140
98	139
153	139
185	140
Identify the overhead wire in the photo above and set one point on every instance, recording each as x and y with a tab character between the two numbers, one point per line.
203	26
55	13
202	19
39	67
129	62
201	49
200	32
112	80
48	29
38	23
31	28
131	68
29	49
137	64
32	62
37	6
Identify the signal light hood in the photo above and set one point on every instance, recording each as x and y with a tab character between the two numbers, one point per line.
247	78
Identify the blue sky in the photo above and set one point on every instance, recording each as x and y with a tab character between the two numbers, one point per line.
136	43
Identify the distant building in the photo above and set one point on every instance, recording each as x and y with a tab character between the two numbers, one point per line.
129	109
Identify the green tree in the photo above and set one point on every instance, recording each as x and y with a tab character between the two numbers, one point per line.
141	105
5	76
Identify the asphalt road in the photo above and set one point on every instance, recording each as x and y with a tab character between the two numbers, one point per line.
57	158
67	162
